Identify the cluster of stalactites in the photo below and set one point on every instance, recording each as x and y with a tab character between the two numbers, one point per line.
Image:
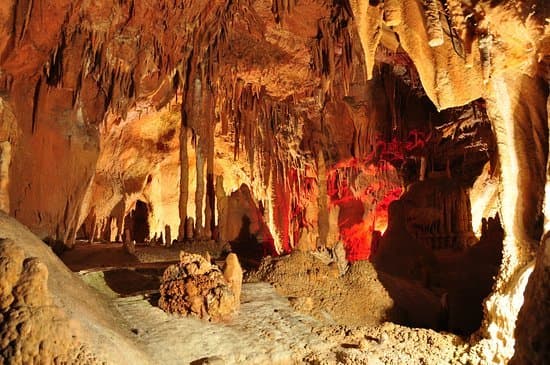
332	51
267	133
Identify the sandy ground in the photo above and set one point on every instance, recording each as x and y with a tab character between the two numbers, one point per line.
113	299
270	328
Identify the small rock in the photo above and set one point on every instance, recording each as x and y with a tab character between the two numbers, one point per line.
383	338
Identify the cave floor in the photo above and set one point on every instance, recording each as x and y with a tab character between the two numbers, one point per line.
267	329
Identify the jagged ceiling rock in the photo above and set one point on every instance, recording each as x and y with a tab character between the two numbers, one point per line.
477	39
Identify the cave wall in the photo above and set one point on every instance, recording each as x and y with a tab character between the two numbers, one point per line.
532	325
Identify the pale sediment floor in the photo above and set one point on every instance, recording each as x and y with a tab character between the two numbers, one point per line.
266	330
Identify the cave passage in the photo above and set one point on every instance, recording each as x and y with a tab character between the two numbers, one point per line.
138	220
325	181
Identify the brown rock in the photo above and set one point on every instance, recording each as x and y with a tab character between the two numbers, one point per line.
195	287
32	328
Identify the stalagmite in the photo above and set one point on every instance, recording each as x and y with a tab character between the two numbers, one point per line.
189	228
324	224
168	235
423	163
184	182
113	229
233	274
5	159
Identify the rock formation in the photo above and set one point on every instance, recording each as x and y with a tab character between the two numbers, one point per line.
52	315
194	287
233	274
284	125
317	287
33	328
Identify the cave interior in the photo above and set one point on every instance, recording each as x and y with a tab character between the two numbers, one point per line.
379	168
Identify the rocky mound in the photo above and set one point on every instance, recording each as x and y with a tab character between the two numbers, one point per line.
355	298
194	287
48	315
33	330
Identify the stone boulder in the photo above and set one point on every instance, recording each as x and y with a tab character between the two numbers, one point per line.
194	287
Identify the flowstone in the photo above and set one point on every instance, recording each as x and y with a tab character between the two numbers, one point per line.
32	328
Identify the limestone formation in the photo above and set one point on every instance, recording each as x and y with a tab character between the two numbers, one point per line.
194	287
233	274
5	159
129	247
32	328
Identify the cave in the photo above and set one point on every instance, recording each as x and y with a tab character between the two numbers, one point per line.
138	221
274	182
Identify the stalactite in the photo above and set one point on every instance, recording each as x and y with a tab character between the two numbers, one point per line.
455	11
456	25
199	192
5	160
332	51
433	23
23	8
35	101
281	7
392	13
210	190
485	45
184	181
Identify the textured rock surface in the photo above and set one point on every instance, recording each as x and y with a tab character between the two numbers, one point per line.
33	329
267	330
342	299
532	342
233	274
283	82
49	315
197	288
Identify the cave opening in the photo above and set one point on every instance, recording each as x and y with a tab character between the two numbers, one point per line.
137	220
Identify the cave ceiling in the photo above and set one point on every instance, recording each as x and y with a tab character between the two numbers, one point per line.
288	84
